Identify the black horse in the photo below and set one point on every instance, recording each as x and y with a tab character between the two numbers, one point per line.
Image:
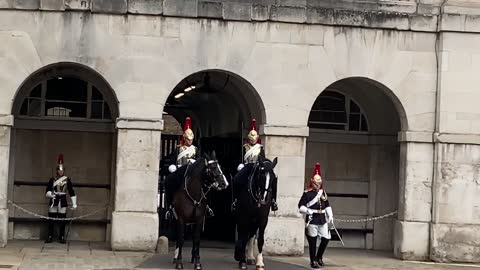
253	207
190	204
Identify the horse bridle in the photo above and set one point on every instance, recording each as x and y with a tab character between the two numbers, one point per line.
204	194
257	200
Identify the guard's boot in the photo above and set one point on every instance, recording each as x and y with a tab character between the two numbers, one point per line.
274	205
62	240
312	246
50	227
321	251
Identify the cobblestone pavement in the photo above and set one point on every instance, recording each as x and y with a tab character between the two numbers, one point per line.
35	255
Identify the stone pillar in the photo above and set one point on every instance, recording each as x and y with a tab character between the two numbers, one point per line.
285	230
135	218
455	228
6	123
412	229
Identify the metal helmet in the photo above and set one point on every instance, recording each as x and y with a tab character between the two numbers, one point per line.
253	133
187	129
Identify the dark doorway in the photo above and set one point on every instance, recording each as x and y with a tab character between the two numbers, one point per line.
220	105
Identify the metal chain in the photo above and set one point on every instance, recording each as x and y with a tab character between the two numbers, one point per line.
366	219
52	218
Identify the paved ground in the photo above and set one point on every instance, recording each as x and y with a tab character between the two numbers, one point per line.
34	255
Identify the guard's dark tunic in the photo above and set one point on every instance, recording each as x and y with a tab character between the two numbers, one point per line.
321	204
60	192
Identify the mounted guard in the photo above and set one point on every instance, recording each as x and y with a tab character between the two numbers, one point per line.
184	154
314	204
252	150
57	190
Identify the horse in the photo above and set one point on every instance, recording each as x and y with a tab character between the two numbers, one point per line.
253	208
190	202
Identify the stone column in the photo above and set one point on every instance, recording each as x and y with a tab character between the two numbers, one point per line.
135	218
412	229
455	228
285	230
6	123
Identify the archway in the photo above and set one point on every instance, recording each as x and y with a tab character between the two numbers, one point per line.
221	105
70	109
354	124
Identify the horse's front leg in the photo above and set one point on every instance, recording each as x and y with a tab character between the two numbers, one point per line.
250	251
178	249
240	247
260	242
197	230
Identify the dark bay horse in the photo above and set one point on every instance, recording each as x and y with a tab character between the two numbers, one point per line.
190	202
254	202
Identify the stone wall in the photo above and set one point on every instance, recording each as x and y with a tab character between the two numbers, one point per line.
419	15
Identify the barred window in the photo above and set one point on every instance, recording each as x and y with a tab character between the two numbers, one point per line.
333	110
66	98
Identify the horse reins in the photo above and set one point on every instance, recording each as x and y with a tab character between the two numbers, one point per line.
258	201
203	195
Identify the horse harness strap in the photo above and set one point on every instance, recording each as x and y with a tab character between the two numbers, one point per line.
202	197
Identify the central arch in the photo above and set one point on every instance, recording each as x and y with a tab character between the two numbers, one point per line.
221	105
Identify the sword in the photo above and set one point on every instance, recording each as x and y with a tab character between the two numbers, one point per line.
335	228
310	218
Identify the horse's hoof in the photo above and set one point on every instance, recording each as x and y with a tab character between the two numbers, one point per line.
251	261
179	266
260	267
242	265
197	266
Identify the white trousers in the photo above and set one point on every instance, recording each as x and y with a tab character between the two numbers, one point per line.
314	230
56	209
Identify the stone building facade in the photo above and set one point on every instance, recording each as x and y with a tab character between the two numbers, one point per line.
382	93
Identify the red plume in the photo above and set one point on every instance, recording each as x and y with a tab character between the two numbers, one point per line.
188	124
60	159
254	125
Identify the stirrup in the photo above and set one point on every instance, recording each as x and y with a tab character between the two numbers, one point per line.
169	214
210	212
274	206
234	206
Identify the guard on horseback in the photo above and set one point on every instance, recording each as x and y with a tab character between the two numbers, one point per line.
57	190
184	154
314	204
252	149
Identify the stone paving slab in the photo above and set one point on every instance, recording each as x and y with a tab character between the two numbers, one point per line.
34	255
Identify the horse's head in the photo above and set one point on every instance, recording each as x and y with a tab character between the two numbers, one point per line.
264	175
215	176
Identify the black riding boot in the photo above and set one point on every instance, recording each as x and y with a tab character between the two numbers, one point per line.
50	227
321	250
312	248
62	228
274	196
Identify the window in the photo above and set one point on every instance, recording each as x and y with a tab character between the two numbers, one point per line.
333	110
66	98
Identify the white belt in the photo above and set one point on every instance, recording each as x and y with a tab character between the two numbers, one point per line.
318	211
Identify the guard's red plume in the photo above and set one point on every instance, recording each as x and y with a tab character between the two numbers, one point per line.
317	169
254	125
188	124
60	159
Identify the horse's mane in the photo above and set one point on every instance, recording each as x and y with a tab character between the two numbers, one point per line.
197	167
194	169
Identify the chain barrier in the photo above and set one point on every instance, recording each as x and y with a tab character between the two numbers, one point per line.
366	219
52	218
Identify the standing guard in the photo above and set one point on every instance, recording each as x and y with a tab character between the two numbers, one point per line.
252	149
314	204
57	190
184	154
